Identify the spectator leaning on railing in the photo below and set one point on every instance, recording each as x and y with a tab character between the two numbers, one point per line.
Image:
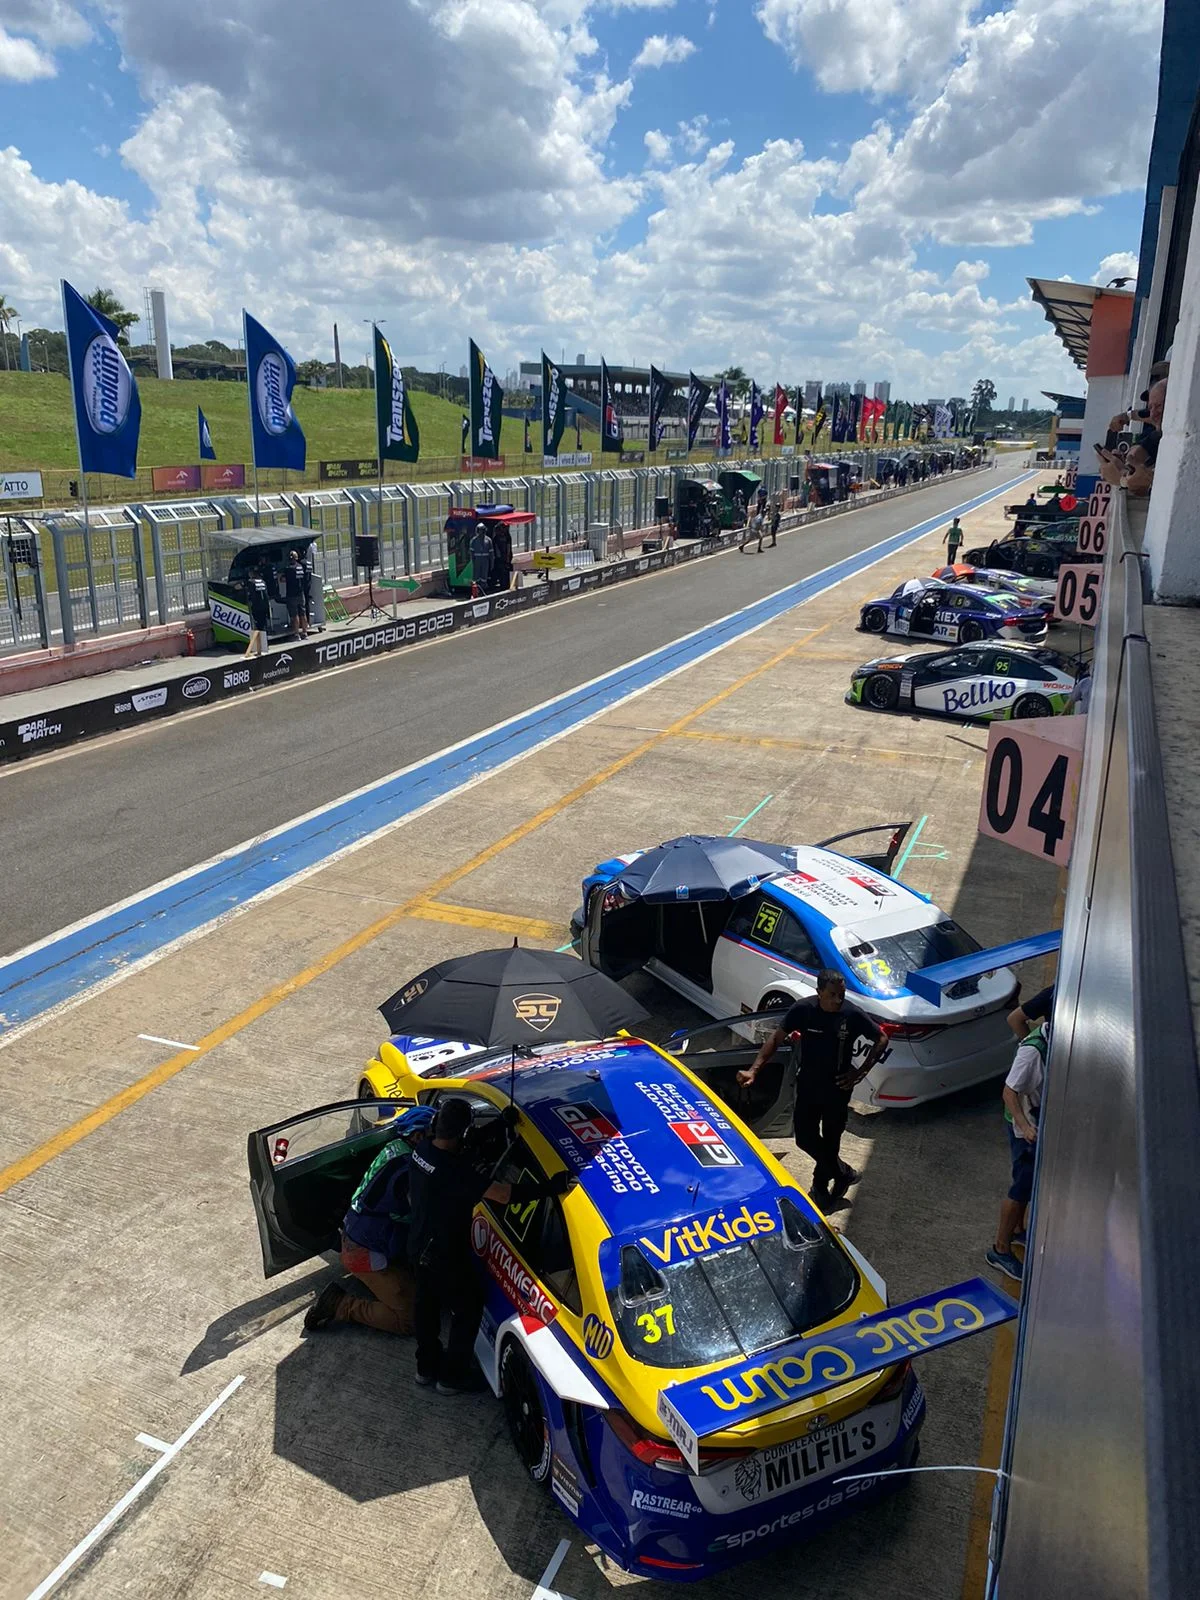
1134	471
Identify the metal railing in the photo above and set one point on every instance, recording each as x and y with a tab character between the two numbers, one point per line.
1101	1498
144	563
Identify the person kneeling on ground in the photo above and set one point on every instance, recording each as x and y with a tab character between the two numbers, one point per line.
1022	1107
375	1239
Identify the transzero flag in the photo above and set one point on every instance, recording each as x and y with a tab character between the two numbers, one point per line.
487	400
396	426
554	409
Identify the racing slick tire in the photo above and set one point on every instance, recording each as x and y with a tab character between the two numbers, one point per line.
881	692
1032	705
521	1396
970	632
875	620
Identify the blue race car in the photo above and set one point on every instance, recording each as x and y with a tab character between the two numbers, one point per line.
924	608
690	1360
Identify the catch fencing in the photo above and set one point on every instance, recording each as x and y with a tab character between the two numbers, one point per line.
137	565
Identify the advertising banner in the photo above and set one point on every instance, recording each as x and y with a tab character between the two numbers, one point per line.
634	457
698	395
676	453
20	486
108	412
276	438
174	480
349	471
554	407
483	463
399	438
486	406
229	476
610	421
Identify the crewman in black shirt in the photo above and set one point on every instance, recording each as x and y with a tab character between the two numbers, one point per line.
826	1031
443	1190
293	589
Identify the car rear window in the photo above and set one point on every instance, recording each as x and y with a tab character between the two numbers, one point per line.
729	1302
880	964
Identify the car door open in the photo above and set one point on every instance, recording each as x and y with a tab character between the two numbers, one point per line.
304	1171
716	1054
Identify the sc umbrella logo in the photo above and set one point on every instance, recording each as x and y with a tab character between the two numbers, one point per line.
107	385
274	409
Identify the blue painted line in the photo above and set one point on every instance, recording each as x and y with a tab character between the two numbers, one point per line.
67	964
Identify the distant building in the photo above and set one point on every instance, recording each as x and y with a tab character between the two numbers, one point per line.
860	386
1012	402
1024	405
1066	425
531	375
581	359
883	391
933	404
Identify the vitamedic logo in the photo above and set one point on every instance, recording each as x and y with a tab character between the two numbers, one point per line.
270	393
107	385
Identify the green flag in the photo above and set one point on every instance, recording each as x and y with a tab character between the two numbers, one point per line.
487	399
399	438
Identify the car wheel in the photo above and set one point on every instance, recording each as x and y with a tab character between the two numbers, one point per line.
881	692
970	632
875	619
1032	705
523	1411
776	1001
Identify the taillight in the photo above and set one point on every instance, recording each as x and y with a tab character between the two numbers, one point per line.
911	1031
657	1453
897	1378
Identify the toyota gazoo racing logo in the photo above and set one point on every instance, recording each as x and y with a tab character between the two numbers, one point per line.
537	1011
270	393
196	688
107	385
517	1284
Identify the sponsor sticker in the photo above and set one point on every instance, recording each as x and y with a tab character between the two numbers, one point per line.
236	678
281	667
598	1337
516	1282
196	688
121	707
717	1231
564	1485
38	728
663	1505
589	1125
149	699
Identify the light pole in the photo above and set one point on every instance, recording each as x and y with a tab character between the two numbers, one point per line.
373	322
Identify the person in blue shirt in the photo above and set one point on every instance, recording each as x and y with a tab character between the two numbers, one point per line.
375	1239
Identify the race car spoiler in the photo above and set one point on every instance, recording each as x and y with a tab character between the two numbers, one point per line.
757	1385
929	982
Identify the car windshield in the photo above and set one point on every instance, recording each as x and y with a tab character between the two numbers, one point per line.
881	964
692	1309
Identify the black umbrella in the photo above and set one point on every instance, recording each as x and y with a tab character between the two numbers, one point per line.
512	998
704	867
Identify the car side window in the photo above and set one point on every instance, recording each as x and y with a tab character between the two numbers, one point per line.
954	665
1001	663
537	1230
792	943
754	918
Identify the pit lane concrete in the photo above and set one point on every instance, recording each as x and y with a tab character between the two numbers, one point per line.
133	1289
92	825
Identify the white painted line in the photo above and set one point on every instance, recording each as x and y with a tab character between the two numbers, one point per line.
52	1013
152	1443
543	1590
273	1579
176	1044
48	1585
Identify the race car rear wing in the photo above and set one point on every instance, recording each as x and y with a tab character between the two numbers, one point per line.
760	1384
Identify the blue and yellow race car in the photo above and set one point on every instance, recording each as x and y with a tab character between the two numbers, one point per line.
690	1360
925	608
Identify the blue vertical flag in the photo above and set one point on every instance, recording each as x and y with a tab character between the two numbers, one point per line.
207	453
756	414
276	438
108	412
723	437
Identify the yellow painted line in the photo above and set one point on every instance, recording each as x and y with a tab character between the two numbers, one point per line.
994	1412
820	746
70	1136
493	921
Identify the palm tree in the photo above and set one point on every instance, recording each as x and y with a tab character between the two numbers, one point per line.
106	303
735	377
7	314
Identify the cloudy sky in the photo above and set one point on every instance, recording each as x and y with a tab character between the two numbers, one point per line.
810	188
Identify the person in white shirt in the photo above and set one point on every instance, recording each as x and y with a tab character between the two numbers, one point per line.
1022	1107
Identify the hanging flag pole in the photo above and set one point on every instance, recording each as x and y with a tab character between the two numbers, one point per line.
250	404
75	412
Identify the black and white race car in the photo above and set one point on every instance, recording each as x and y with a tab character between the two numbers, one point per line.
984	680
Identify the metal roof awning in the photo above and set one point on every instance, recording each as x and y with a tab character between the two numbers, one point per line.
1068	309
929	982
247	538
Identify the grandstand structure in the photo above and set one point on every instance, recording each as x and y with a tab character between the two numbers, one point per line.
630	394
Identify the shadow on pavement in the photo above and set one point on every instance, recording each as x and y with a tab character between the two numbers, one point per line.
232	1329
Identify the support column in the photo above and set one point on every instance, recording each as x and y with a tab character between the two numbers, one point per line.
1173	522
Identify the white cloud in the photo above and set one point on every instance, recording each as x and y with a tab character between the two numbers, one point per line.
658	145
661	51
52	22
1120	264
874	47
638	5
22	61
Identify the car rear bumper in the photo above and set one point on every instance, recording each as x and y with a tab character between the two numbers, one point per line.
904	1079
